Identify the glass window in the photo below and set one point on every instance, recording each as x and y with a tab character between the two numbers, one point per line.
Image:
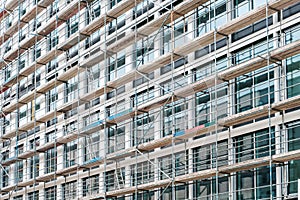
70	154
33	195
50	193
293	76
34	166
175	117
116	67
143	129
90	185
205	16
50	160
69	190
115	179
116	138
142	173
72	25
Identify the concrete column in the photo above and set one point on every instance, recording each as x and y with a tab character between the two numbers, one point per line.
60	157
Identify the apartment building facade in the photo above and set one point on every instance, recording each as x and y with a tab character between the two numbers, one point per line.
150	99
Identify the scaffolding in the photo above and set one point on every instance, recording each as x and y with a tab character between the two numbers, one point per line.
97	103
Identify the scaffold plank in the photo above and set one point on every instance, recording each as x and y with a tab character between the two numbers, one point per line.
29	15
13	53
118	10
48	116
71	41
122	154
12	4
92	128
198	130
29	96
71	9
48	56
29	70
94	94
10	161
122	7
9	134
259	62
46	177
245	116
47	146
68	170
45	3
203	174
28	126
48	86
27	154
30	40
67	106
13	105
70	73
26	183
289	103
245	165
96	161
285	157
155	143
8	188
68	138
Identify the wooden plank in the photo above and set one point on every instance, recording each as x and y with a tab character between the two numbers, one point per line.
71	41
245	116
46	177
14	29
280	53
245	165
10	134
48	116
68	138
47	146
286	51
92	163
70	105
48	86
29	125
50	25
29	15
10	161
122	153
48	56
71	9
115	12
13	54
155	143
288	156
70	73
29	70
94	94
9	188
289	103
242	68
11	107
203	174
26	183
29	41
29	96
68	170
12	4
199	130
27	154
45	3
